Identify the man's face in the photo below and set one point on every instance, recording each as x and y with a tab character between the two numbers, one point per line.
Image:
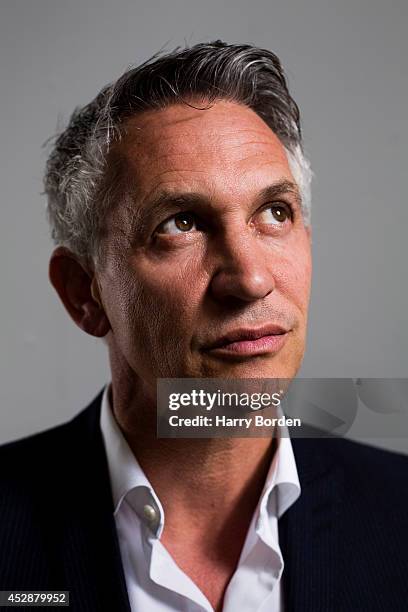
207	240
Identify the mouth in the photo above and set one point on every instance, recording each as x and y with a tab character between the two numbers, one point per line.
241	342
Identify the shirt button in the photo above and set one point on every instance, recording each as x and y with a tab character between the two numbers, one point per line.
149	513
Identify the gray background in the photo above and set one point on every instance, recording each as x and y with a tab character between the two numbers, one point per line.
347	68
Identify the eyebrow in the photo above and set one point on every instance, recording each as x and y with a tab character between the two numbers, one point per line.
279	188
168	198
138	217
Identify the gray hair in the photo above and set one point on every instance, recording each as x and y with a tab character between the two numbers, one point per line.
76	183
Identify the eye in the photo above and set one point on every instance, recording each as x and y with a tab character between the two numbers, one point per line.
182	222
276	214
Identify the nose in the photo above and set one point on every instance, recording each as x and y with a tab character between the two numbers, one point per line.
244	270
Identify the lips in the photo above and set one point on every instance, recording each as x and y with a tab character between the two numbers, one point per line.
245	341
241	334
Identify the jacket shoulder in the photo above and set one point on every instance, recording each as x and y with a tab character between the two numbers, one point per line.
371	475
360	457
368	472
43	453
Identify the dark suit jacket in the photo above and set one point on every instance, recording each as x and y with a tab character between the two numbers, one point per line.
344	541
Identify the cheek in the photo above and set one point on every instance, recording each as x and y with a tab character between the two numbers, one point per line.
152	317
164	298
293	274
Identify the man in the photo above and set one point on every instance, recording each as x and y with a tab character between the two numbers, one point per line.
179	202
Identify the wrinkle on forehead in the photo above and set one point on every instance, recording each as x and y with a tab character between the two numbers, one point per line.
179	129
227	147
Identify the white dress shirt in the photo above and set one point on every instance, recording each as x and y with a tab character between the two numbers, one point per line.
155	583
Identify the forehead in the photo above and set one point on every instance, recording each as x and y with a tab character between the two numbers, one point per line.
225	146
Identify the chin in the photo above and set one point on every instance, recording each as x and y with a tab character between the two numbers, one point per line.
261	366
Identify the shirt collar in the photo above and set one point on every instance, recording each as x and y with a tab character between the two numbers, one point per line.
281	489
128	480
282	474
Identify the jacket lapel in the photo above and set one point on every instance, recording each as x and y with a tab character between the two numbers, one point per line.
90	550
308	531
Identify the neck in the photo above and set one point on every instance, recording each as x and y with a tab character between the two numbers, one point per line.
214	475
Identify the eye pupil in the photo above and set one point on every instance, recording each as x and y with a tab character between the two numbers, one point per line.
184	222
279	213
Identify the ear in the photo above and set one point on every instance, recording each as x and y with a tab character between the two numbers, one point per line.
77	289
